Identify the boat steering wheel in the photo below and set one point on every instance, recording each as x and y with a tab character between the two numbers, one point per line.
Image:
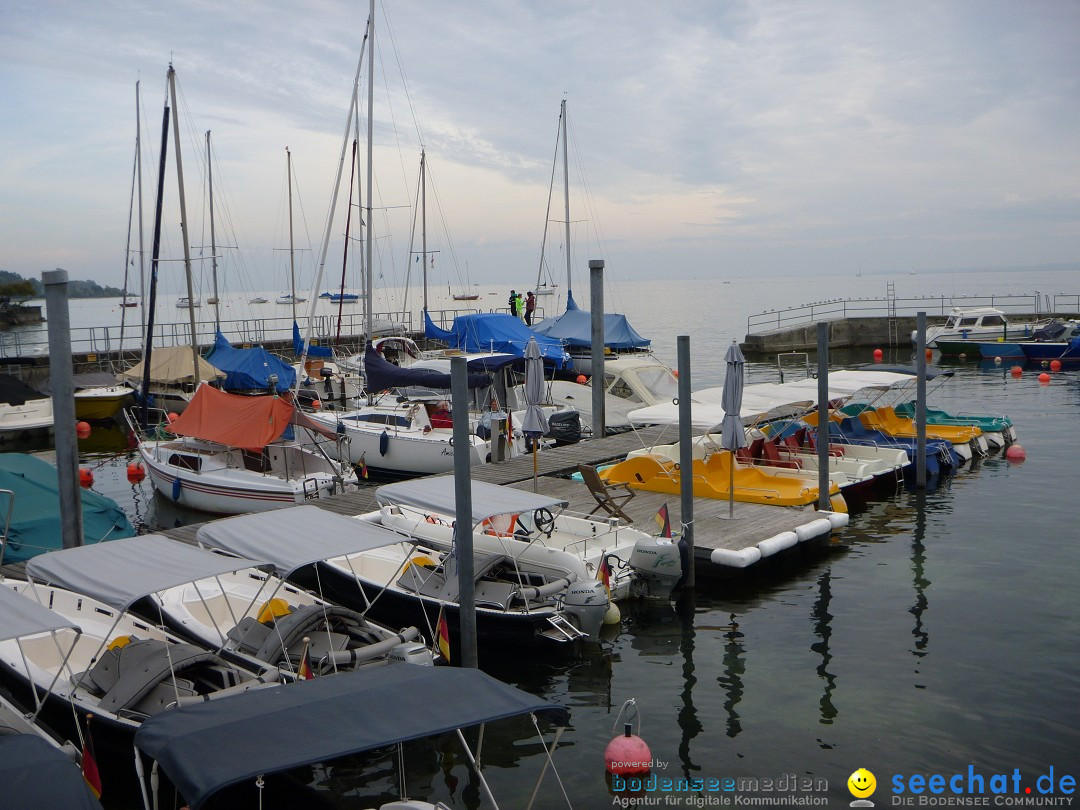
544	521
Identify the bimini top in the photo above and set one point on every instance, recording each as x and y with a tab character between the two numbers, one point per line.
36	774
436	494
495	332
14	391
574	328
276	536
208	746
247	369
21	616
124	571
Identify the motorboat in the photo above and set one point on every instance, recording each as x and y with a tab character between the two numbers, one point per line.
975	323
258	300
227	454
208	752
399	580
26	415
534	528
1066	353
289	298
249	615
98	395
111	664
1057	331
631	381
188	303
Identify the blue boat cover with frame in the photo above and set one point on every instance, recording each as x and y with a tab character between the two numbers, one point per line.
212	745
248	369
495	332
574	328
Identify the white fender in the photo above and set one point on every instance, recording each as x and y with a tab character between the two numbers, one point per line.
777	543
740	558
814	528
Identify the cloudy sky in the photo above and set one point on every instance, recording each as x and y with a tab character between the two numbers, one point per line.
707	138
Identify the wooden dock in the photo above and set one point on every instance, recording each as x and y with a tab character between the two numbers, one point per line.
722	546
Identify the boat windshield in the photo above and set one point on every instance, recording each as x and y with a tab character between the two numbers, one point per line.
660	382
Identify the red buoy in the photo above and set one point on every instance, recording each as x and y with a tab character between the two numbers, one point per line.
135	472
316	404
627	755
582	379
1017	371
82	430
1015	453
878	354
1044	378
1055	365
86	477
172	417
929	354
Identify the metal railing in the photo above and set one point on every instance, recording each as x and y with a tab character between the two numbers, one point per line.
1036	303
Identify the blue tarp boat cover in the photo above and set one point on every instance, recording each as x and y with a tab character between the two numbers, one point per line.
574	328
209	746
495	332
324	352
35	519
37	775
248	369
382	375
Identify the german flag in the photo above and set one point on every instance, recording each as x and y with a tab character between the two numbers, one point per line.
305	673
604	573
663	520
89	763
443	640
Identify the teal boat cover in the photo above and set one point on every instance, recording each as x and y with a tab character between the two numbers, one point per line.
35	518
574	329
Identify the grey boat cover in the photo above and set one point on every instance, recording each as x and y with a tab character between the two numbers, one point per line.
209	746
291	538
436	494
37	775
22	616
123	571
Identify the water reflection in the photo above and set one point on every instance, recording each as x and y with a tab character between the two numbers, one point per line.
688	715
921	583
731	679
823	630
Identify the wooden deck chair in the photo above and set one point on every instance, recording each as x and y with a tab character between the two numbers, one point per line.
607	495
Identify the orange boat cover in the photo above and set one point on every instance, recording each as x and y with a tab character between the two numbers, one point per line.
238	421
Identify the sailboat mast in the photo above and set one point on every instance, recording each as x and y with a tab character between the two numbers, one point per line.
566	195
213	242
423	220
183	228
138	171
369	288
152	302
292	252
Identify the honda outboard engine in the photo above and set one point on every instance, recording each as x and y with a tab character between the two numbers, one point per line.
585	604
657	567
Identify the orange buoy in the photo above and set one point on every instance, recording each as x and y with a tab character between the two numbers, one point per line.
1015	453
582	379
878	354
1055	365
135	471
628	754
1044	378
929	354
1017	371
172	417
316	404
82	430
86	477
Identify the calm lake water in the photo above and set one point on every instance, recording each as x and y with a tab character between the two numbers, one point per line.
939	632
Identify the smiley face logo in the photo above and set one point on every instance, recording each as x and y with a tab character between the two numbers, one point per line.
862	783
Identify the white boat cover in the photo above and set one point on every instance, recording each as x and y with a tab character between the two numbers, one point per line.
21	616
437	494
291	538
123	571
209	746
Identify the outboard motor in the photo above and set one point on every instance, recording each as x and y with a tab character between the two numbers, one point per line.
657	567
585	604
564	427
412	652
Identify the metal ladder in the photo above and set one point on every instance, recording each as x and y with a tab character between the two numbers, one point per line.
891	300
562	629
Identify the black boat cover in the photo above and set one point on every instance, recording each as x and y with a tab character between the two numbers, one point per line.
36	775
208	746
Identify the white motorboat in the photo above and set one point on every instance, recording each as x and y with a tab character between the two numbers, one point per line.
26	415
535	529
976	323
226	456
631	381
289	298
399	580
188	303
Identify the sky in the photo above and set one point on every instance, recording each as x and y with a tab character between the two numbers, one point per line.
707	138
